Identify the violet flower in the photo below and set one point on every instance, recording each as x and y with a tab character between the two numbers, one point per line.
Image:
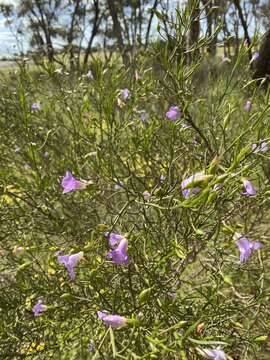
250	189
91	346
146	195
173	113
262	147
246	247
162	178
114	239
119	185
187	189
70	261
39	308
89	75
217	187
69	183
255	56
144	116
18	249
112	320
17	149
248	105
215	354
36	106
125	94
119	255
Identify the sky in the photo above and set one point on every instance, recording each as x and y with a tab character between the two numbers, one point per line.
7	39
8	42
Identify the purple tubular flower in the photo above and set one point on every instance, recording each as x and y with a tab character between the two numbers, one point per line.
69	183
250	189
146	195
217	187
114	239
215	354
91	346
248	105
89	75
255	57
125	94
36	106
246	247
162	178
70	261
119	255
119	185
173	113
262	147
185	183
39	308
144	116
112	320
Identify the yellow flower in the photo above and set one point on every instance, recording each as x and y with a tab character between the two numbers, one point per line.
8	199
40	347
51	271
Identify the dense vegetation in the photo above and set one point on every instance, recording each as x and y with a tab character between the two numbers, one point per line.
137	191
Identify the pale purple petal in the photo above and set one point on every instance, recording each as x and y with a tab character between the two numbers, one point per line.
248	105
215	354
162	178
125	93
262	147
173	113
119	255
244	248
119	185
217	187
250	189
69	183
112	320
114	239
63	259
255	56
39	308
187	192
144	116
70	261
90	75
146	195
254	147
91	346
75	258
101	314
256	245
35	106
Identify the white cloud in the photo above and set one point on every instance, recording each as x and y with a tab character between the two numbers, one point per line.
10	2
